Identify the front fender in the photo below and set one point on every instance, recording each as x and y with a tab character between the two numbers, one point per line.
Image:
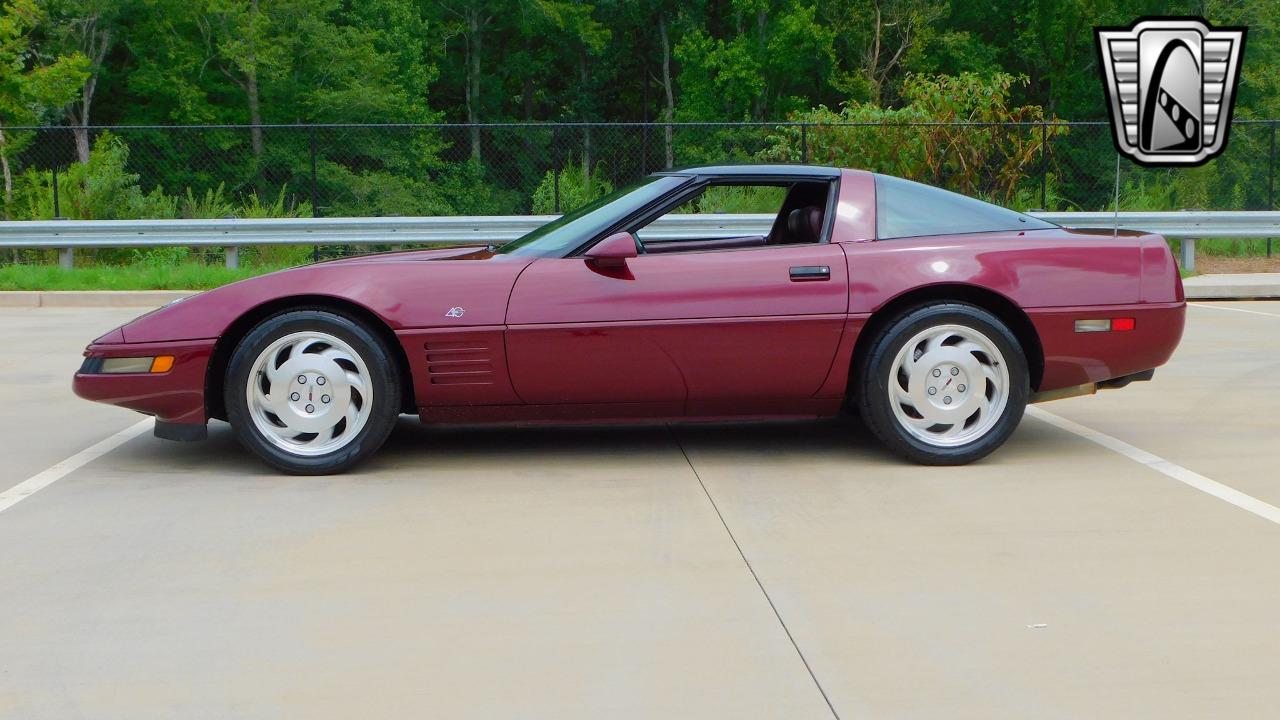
404	293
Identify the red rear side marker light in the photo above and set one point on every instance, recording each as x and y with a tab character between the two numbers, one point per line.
1105	325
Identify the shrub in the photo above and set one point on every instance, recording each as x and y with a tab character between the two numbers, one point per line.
974	159
576	189
101	189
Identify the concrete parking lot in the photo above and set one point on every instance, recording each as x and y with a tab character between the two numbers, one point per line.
788	570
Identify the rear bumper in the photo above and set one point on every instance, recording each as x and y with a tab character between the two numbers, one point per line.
175	398
1074	358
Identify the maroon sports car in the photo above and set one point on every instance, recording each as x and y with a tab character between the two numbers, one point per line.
937	316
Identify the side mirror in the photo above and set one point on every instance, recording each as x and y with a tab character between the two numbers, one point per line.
613	251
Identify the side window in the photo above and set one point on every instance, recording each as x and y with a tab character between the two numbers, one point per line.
761	214
910	209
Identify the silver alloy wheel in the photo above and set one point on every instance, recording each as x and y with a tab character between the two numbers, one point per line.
948	385
309	393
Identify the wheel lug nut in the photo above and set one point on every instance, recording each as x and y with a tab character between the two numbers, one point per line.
311	408
946	400
960	388
955	371
937	372
320	380
302	379
324	399
295	397
933	391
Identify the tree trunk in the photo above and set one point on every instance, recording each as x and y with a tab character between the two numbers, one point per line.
8	172
762	100
586	129
670	110
872	65
473	78
80	117
255	111
526	104
251	89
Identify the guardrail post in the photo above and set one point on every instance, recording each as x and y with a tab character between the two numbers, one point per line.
66	258
233	256
1188	253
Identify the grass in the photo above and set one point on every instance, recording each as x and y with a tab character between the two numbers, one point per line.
201	276
1229	247
181	276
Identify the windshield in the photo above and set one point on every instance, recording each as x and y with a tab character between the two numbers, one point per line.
562	235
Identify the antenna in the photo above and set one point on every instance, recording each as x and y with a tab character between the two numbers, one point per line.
1115	223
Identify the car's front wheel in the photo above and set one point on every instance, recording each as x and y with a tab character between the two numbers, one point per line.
944	384
312	392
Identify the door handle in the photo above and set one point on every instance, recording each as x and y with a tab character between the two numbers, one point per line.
808	273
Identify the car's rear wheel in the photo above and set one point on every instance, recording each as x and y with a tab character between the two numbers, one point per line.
312	392
944	384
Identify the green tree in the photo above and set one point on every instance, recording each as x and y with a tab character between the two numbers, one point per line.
777	59
90	28
30	92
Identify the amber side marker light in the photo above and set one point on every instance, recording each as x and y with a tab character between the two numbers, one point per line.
117	366
1105	325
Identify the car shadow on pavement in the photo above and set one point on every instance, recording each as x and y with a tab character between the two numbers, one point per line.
529	443
842	439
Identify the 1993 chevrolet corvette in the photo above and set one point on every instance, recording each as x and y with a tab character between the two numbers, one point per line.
937	316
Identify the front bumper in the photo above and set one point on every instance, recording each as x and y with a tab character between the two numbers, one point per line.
175	397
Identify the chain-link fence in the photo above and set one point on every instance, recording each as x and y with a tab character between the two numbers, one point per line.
510	169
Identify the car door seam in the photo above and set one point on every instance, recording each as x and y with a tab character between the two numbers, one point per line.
506	332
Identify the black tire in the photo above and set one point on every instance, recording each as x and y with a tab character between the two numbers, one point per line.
873	377
383	378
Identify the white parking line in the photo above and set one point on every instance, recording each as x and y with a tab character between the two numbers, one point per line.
45	478
1242	310
1249	503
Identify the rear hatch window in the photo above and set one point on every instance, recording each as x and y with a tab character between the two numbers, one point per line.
910	209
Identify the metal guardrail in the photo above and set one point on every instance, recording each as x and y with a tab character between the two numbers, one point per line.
232	234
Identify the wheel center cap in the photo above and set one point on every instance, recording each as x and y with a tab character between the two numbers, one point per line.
310	393
947	385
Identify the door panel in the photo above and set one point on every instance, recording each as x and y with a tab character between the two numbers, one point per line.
685	326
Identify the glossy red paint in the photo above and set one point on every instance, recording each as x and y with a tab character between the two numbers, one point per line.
405	290
855	208
459	366
1072	358
175	396
758	331
679	328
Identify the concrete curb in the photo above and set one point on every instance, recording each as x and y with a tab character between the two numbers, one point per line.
90	298
1244	286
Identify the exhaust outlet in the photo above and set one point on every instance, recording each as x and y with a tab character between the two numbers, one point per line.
1063	393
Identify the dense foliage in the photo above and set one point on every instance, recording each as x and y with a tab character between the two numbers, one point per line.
84	63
